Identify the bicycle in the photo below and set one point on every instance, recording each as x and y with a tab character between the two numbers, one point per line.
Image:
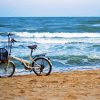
39	64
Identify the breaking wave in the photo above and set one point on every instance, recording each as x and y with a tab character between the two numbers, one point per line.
56	35
78	60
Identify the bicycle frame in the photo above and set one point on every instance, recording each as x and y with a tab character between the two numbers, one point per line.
28	64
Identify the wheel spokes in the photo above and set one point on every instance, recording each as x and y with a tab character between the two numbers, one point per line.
43	66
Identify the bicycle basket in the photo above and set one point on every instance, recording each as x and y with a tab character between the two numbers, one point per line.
3	55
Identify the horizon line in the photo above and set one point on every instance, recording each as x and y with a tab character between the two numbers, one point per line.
49	16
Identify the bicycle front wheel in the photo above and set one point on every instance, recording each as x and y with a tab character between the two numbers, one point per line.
42	66
7	69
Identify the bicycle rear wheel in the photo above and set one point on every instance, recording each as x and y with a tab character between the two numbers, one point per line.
7	69
42	66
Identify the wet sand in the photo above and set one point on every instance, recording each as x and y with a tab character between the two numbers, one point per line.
77	85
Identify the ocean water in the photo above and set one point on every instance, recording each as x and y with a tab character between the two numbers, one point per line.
72	43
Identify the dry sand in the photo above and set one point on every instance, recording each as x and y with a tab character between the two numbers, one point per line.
77	85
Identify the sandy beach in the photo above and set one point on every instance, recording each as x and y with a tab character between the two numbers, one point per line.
77	85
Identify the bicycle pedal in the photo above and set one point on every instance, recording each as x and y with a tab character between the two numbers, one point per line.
30	70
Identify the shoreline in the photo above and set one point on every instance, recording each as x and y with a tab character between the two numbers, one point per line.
74	85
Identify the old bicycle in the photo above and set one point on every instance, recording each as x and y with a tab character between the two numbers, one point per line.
39	64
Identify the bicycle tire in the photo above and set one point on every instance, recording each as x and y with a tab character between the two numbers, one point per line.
7	69
40	71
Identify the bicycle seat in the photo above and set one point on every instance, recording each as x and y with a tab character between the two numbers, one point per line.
32	47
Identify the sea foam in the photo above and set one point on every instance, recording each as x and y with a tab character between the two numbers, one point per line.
56	35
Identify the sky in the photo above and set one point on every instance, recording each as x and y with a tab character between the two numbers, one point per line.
49	8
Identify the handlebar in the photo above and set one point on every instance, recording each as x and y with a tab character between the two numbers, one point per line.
9	34
10	39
